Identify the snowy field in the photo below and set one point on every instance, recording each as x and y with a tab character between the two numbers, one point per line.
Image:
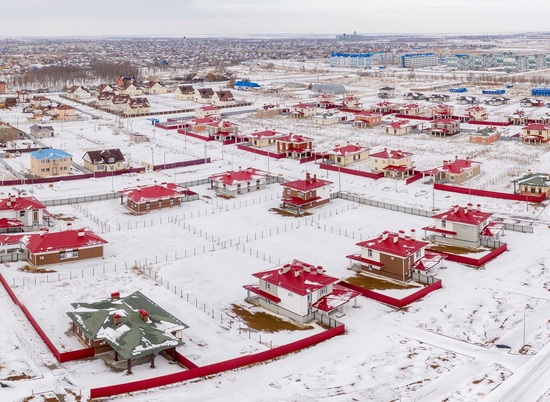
457	344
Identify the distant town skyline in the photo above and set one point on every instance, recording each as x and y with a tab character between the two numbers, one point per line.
248	17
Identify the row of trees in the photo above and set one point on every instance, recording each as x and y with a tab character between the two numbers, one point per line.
66	76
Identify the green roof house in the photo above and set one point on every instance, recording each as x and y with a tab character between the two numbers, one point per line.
133	327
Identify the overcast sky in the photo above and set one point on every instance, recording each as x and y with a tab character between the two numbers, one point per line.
240	17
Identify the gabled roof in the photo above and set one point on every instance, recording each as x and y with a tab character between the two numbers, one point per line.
186	89
302	105
466	215
50	153
310	183
536	126
20	203
133	336
348	149
294	138
391	154
398	124
265	133
394	243
458	165
297	277
225	95
231	177
107	156
155	192
47	242
444	121
137	103
6	223
205	93
339	296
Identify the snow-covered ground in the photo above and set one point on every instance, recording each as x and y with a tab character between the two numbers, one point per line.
194	260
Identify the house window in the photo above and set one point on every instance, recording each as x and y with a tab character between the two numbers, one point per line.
443	224
21	214
323	291
267	286
369	253
147	205
68	254
452	177
418	254
171	201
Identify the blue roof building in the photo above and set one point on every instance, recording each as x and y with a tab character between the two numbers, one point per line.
50	153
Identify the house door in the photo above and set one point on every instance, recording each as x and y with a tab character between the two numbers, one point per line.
54	171
309	304
35	218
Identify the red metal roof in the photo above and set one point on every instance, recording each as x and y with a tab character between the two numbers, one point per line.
256	289
295	138
466	215
265	133
339	296
536	126
245	175
438	230
6	223
459	166
297	202
310	183
391	243
391	154
349	149
20	203
357	257
298	277
155	192
47	242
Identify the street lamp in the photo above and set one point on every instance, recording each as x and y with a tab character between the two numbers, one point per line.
152	159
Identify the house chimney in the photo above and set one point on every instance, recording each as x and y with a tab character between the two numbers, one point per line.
456	209
384	235
81	233
116	319
69	225
12	197
413	234
320	270
144	315
41	232
479	207
286	268
115	295
401	234
308	177
395	238
297	273
469	206
307	268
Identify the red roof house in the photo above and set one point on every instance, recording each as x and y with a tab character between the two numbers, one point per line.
457	171
535	133
463	226
231	183
367	118
393	255
260	139
27	210
298	290
66	246
443	127
398	127
394	163
347	154
294	145
305	194
142	199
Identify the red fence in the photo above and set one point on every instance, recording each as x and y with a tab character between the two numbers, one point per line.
475	262
166	126
413	178
492	194
274	155
185	361
216	368
354	172
181	164
195	135
413	117
491	123
60	356
392	301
